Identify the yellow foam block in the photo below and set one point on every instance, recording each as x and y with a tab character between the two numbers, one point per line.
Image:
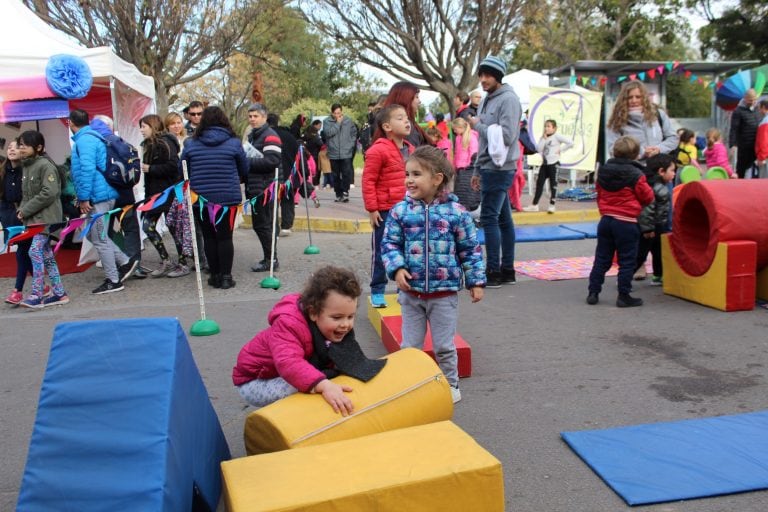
410	390
375	314
423	468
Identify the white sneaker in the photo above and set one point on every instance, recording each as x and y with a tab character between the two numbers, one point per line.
532	208
455	394
285	232
551	209
351	185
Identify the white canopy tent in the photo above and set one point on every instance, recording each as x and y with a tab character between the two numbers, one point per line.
119	90
522	81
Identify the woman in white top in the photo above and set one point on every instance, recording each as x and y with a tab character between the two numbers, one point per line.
550	145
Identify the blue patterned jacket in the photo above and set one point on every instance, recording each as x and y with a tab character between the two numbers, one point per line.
436	243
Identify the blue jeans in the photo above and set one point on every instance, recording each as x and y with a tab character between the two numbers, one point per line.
378	273
614	236
496	216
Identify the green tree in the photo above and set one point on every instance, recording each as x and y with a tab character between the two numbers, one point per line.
740	32
687	99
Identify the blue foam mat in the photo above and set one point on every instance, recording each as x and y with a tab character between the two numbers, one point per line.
544	233
588	229
680	460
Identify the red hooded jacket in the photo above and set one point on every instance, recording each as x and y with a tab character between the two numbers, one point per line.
622	190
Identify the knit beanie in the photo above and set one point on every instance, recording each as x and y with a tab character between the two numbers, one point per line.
493	66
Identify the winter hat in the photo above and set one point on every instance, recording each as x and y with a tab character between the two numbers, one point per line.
493	66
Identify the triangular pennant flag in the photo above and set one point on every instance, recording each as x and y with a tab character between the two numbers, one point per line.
688	74
178	189
71	226
675	64
584	80
660	69
12	231
148	204
223	209
232	217
652	73
31	231
621	78
211	209
572	80
633	76
693	77
193	196
641	75
593	81
603	80
669	66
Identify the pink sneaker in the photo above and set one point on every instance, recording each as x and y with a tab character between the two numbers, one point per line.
15	298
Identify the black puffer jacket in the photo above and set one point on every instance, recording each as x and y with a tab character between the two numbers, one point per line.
656	213
744	127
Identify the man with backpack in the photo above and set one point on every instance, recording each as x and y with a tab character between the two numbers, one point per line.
95	196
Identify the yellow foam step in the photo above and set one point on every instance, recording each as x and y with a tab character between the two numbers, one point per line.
422	468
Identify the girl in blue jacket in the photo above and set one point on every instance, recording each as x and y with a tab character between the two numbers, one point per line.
429	247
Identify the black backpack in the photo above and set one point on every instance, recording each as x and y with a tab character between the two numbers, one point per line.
123	163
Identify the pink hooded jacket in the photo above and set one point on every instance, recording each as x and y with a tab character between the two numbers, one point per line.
280	350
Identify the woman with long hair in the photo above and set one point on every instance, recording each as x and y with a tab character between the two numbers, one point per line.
634	115
160	165
217	164
177	216
407	95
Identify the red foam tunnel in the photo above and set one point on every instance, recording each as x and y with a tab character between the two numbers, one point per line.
709	212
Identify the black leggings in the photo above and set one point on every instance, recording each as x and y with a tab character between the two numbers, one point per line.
149	223
219	248
546	172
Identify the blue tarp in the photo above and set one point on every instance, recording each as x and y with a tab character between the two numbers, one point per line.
681	460
588	229
543	233
123	423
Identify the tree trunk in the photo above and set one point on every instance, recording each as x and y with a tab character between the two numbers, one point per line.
161	98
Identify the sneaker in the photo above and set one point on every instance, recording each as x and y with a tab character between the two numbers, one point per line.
351	185
125	271
493	280
317	202
455	394
625	300
345	198
108	287
532	208
338	199
656	281
179	271
32	302
227	282
508	276
378	301
263	266
141	273
56	300
640	274
15	297
285	232
551	209
592	298
164	269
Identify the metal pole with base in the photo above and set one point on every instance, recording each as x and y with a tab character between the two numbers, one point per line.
204	326
272	281
310	249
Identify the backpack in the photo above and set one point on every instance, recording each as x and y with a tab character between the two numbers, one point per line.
529	147
123	163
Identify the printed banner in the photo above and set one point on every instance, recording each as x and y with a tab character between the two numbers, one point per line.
577	113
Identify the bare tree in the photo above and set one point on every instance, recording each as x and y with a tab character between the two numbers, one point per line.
438	42
173	41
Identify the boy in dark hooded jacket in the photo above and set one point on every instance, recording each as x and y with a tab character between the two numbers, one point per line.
622	192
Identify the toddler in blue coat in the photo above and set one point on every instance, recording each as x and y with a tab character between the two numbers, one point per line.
430	249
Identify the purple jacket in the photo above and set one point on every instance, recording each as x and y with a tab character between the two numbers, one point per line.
280	350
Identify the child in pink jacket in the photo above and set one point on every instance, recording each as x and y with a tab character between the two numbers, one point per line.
716	154
309	341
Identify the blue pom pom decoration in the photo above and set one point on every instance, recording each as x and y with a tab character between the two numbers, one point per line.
68	76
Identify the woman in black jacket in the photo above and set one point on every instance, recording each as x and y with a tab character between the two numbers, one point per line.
160	165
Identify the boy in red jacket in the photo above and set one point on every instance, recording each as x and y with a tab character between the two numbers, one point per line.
384	184
622	192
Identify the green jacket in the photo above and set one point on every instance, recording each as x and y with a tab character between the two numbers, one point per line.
41	188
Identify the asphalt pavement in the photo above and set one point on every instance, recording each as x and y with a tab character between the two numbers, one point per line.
543	362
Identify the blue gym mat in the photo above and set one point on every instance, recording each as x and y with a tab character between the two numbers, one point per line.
680	460
589	229
544	233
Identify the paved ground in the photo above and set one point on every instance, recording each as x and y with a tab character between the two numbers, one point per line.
543	362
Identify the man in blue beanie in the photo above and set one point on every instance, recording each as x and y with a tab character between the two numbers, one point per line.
497	122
